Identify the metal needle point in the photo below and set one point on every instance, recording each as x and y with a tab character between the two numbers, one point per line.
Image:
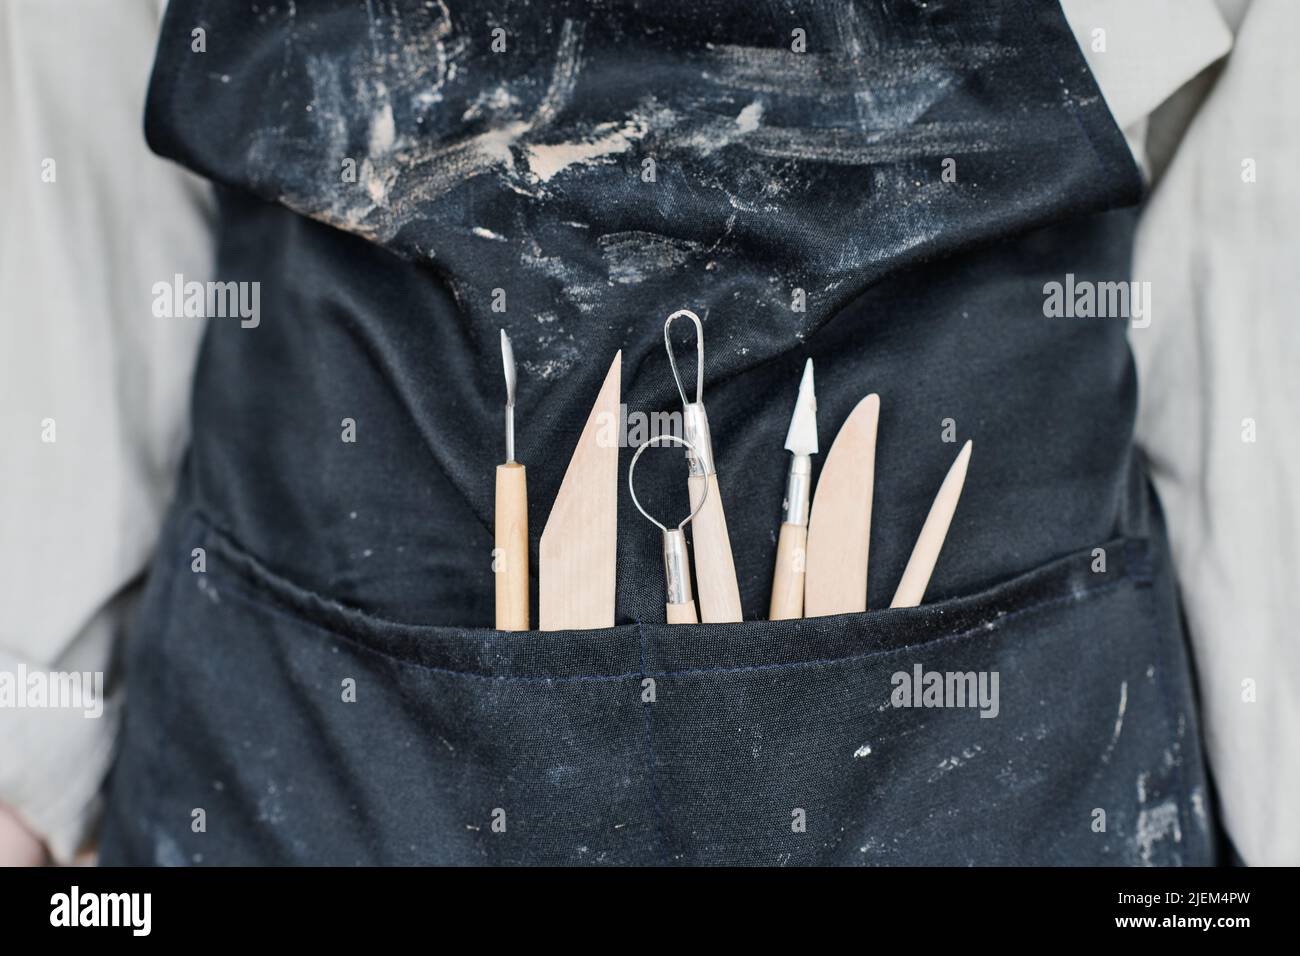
508	360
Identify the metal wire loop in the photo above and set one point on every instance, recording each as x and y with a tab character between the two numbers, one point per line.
699	354
632	488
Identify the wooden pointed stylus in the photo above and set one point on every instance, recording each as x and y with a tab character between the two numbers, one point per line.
916	576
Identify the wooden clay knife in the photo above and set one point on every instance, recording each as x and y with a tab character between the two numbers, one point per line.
839	530
578	547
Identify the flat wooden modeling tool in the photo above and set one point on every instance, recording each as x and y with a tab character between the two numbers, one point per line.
839	530
576	574
916	576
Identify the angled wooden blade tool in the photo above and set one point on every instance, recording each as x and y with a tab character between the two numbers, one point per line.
578	548
839	531
916	576
511	515
791	546
715	570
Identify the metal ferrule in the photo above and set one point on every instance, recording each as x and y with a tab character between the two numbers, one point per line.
510	433
798	491
677	568
700	455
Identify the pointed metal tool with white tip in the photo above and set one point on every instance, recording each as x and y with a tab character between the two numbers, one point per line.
801	439
791	546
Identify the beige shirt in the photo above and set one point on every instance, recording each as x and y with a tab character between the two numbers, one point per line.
79	346
93	389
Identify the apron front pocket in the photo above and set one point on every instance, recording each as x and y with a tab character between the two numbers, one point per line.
1036	722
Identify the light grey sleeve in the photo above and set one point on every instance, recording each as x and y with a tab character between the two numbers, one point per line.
1218	398
94	389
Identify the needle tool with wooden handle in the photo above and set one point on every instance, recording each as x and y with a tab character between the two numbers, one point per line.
916	576
510	558
791	545
680	607
715	570
839	531
577	552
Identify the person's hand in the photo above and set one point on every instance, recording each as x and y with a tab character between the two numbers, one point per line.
18	845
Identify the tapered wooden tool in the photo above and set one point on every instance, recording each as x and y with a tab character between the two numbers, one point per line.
510	544
791	544
714	568
577	554
916	576
839	531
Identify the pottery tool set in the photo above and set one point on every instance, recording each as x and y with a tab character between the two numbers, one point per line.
822	546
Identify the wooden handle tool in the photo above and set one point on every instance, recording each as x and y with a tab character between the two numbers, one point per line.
839	531
680	607
788	576
511	546
576	580
715	569
510	543
916	576
791	545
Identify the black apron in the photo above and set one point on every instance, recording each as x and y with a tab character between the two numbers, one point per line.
325	690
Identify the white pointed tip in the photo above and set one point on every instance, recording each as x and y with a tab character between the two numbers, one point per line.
801	439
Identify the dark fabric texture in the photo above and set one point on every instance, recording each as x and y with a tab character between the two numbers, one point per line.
237	710
774	171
